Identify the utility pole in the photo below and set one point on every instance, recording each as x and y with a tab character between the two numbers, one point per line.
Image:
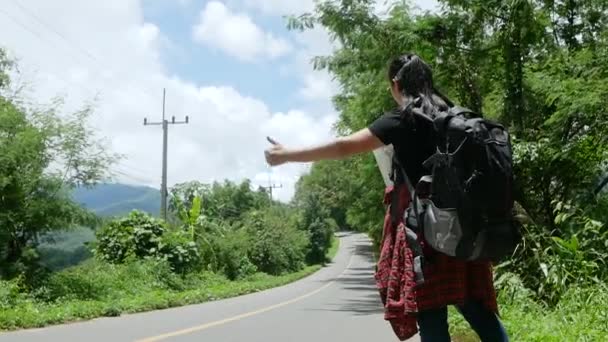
271	186
165	123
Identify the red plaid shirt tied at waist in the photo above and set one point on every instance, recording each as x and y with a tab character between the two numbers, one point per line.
447	280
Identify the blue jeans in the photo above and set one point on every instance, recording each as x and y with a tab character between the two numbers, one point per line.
433	324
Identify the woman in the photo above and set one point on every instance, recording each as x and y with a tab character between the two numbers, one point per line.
447	281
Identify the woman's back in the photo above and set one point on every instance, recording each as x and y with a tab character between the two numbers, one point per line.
411	137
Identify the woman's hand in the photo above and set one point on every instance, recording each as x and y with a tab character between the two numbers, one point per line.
359	142
276	154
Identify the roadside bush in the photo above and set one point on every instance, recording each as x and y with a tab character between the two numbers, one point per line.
179	250
140	236
231	255
137	235
276	247
11	293
580	315
98	280
551	262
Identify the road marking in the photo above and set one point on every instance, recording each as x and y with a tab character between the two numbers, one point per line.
245	315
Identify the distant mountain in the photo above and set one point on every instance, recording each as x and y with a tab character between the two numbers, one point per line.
109	200
61	249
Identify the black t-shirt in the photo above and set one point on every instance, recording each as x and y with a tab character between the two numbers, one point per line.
412	139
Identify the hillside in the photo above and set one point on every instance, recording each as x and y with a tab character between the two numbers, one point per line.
62	249
109	200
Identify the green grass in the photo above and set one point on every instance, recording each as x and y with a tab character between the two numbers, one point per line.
94	290
581	316
333	250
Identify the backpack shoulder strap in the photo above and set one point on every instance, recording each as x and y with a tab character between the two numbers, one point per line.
399	176
458	110
442	119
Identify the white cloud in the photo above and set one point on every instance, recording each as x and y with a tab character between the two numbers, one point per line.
236	34
226	136
111	50
318	85
430	5
281	7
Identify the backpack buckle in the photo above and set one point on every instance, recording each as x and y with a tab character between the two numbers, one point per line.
411	221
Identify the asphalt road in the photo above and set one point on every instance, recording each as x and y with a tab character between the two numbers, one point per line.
338	303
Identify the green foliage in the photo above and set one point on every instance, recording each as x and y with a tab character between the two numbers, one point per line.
62	249
57	259
321	233
135	236
328	182
276	247
320	226
572	254
350	191
11	294
140	236
536	66
124	288
222	247
5	66
216	233
95	280
238	231
226	202
177	247
231	255
42	155
579	316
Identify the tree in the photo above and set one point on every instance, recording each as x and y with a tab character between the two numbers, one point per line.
43	155
219	201
330	184
320	226
536	66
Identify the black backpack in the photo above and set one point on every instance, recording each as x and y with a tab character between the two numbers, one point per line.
464	206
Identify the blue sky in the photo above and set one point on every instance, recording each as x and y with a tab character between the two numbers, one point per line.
206	65
231	65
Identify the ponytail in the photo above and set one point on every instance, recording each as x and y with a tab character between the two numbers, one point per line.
445	99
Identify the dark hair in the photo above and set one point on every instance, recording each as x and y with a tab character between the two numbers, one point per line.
415	80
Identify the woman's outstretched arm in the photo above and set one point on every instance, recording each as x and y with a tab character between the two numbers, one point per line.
359	142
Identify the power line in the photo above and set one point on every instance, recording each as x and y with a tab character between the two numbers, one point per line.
134	169
25	27
165	124
70	43
134	178
135	174
97	61
40	21
41	38
20	24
